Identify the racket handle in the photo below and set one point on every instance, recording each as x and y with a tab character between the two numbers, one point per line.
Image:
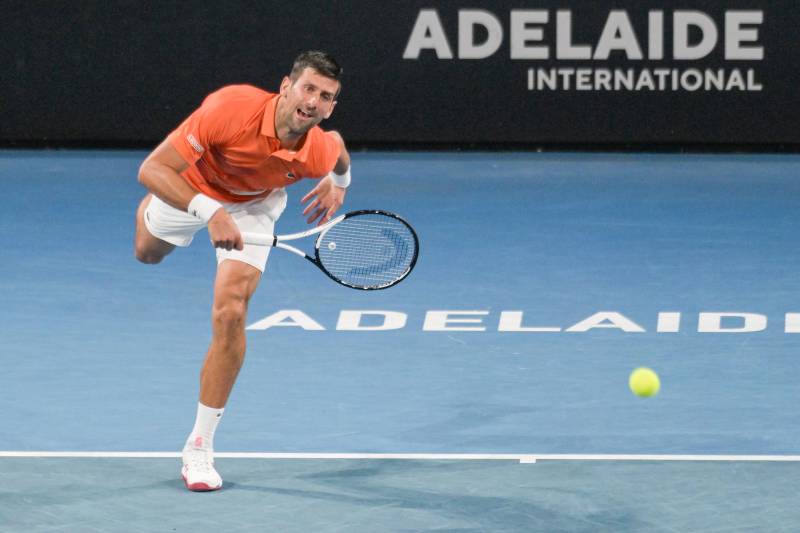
263	239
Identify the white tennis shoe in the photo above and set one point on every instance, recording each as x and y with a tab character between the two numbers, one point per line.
198	470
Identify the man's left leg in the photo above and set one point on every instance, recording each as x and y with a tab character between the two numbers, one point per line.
235	283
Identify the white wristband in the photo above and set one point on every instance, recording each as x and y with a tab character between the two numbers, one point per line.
203	207
340	180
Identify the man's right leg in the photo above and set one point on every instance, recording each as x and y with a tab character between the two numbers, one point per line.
156	217
238	274
234	286
148	248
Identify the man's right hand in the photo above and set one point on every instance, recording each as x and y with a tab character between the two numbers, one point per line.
224	232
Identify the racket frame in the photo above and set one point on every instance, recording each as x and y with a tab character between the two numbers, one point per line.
277	241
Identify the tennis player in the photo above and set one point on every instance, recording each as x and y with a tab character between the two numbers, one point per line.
226	167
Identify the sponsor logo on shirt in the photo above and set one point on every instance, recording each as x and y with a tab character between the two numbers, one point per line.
195	144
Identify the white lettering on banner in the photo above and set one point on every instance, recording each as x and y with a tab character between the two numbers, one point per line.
607	319
428	34
351	320
512	322
564	47
295	317
669	322
523	31
534	33
618	35
541	79
792	321
655	43
735	35
441	320
467	20
750	322
682	21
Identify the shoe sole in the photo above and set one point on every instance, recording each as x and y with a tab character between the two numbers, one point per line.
199	487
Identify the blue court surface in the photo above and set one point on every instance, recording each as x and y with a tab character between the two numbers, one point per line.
486	392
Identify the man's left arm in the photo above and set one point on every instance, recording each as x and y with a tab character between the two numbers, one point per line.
343	162
328	195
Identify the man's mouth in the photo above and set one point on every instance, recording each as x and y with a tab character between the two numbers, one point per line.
302	114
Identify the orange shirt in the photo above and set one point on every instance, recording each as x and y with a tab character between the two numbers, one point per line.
234	154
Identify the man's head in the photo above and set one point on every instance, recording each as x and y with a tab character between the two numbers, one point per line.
310	90
322	62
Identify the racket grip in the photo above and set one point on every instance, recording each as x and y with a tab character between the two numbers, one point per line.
263	239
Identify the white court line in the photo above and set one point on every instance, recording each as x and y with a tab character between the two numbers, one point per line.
522	458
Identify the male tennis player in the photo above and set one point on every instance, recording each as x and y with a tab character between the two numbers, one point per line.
225	167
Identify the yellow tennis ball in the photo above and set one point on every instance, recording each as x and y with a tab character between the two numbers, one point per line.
644	382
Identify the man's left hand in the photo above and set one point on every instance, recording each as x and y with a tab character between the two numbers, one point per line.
327	199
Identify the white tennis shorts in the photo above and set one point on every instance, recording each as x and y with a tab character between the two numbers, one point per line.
178	227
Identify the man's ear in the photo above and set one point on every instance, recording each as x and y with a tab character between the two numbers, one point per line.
286	82
330	111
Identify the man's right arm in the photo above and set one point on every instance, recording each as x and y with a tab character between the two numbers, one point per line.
160	173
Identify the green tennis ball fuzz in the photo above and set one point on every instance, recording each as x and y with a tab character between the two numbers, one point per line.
644	382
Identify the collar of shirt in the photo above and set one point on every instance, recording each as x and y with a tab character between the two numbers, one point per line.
268	130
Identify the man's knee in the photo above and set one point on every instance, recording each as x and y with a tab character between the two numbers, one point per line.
235	284
230	315
147	257
147	248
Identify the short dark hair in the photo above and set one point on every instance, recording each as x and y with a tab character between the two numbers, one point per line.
320	61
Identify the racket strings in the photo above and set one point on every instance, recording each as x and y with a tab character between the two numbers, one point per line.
370	250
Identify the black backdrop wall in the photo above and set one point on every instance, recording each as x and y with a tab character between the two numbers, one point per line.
480	74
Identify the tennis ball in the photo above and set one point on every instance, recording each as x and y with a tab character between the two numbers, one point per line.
644	382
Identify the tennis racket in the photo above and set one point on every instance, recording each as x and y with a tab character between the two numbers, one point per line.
364	250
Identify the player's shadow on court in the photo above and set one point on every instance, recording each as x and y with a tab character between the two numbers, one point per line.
386	487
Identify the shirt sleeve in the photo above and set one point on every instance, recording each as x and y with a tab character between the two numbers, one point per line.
325	154
214	123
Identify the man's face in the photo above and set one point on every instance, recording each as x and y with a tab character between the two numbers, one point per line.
309	100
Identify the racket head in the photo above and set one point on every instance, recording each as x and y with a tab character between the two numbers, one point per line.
368	250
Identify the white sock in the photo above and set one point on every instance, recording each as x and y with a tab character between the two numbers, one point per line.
202	435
